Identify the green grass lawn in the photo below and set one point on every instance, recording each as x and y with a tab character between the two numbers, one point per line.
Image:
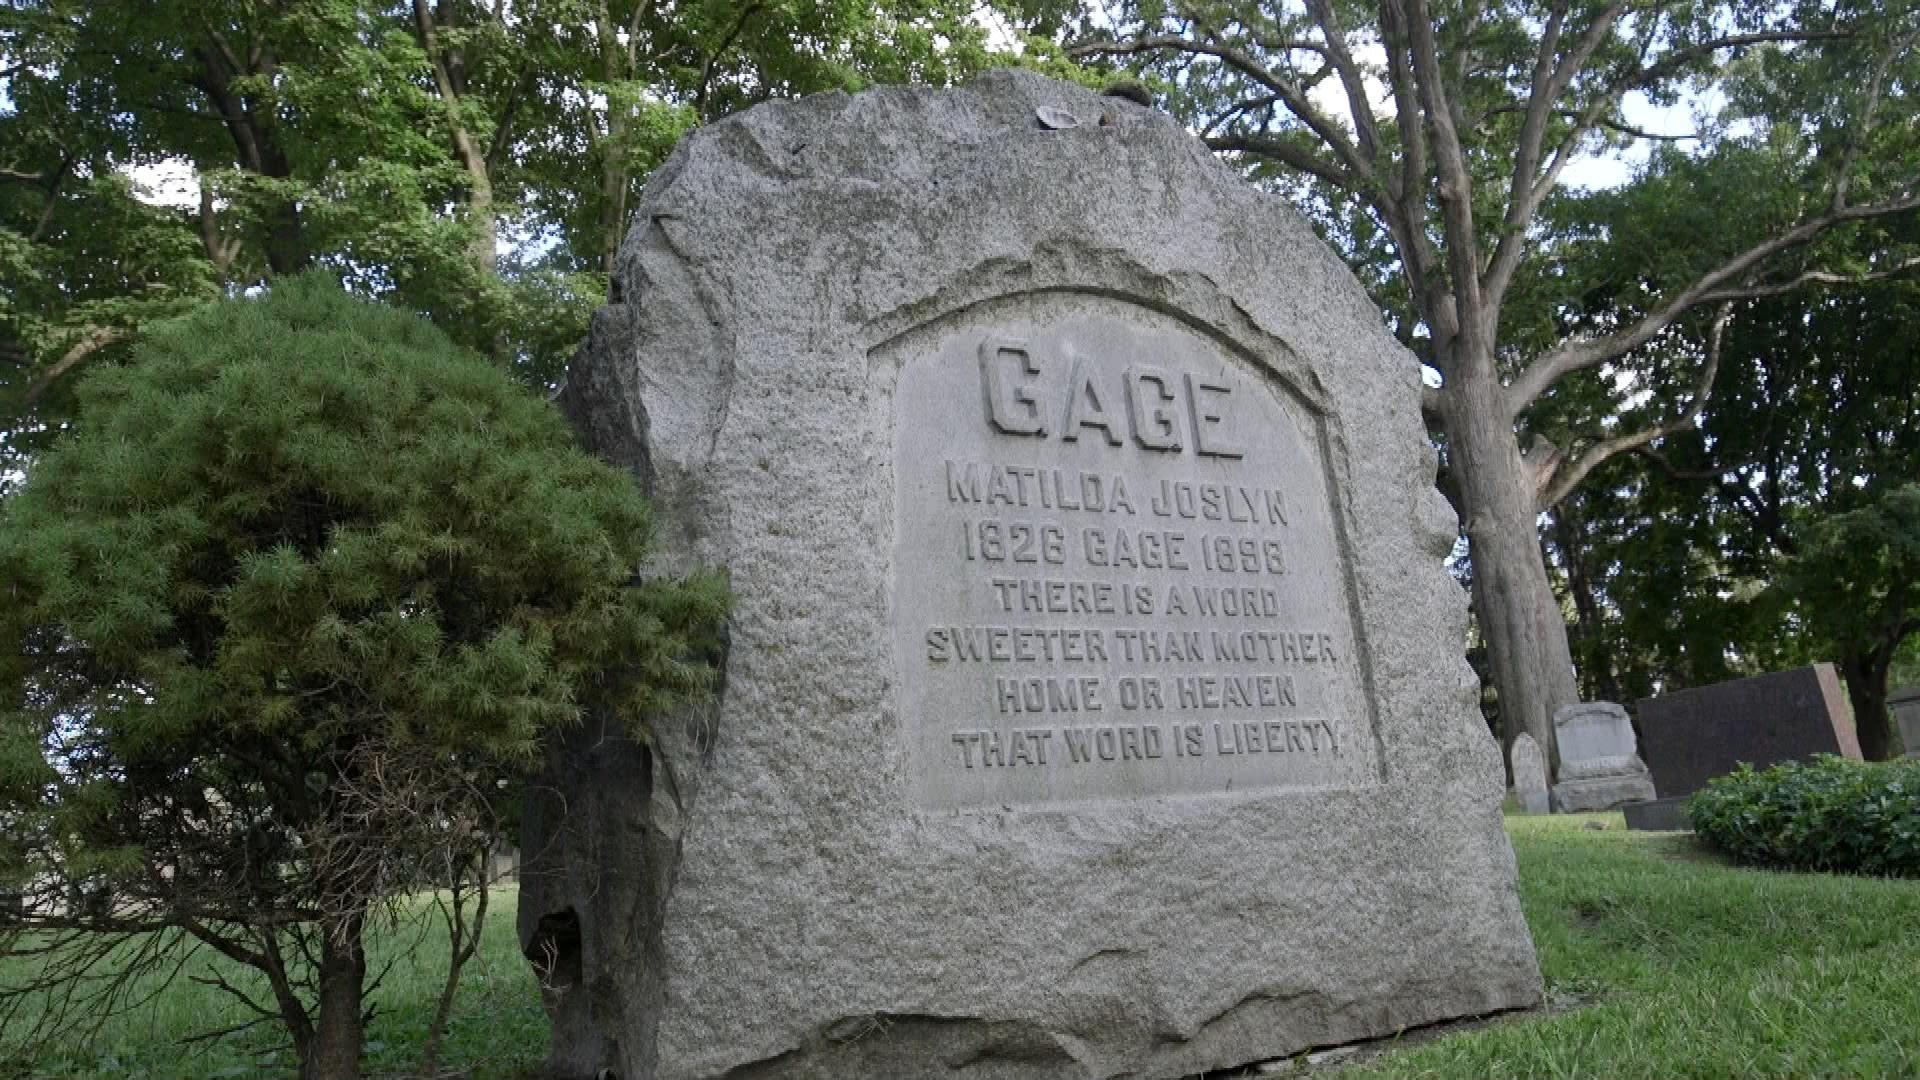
1678	965
1660	962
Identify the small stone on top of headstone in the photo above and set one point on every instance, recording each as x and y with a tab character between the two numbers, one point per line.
1529	775
1054	119
1600	766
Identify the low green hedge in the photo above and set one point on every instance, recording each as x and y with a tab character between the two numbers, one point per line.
1825	814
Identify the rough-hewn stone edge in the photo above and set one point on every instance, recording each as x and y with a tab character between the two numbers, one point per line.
914	1045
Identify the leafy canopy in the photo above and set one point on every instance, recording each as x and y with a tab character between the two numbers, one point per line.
296	534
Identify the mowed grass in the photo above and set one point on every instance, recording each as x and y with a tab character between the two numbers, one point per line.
1664	962
1660	962
497	1030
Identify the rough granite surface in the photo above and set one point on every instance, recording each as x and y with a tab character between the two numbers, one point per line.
754	894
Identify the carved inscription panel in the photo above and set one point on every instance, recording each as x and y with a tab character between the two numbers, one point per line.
1117	567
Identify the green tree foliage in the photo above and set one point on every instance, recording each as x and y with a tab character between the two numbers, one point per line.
1906	671
304	588
471	160
1854	577
1757	536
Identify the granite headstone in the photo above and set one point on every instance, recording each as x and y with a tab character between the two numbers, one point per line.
1692	736
1529	775
1094	703
1600	766
1659	815
1905	706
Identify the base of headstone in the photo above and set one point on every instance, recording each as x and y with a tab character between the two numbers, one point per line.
1660	815
1601	793
1532	803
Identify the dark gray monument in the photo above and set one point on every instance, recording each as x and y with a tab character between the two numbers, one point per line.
1691	736
1094	704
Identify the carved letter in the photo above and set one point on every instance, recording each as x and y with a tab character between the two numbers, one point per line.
1013	409
1207	397
1084	407
1150	396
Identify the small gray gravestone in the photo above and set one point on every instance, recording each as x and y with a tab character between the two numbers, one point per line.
1094	702
1529	774
1905	706
1600	766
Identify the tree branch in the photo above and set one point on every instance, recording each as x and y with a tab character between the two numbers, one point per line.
640	12
1291	94
1550	80
1569	475
215	79
1287	154
1814	277
52	199
747	12
1579	353
92	340
503	128
1862	127
1455	178
220	250
1350	79
1525	190
1237	110
1594	116
1405	209
1611	125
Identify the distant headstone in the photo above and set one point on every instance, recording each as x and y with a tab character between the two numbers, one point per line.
1600	766
1905	706
1660	815
1691	736
1094	703
1529	774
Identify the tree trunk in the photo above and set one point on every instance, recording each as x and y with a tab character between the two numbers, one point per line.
483	250
286	240
1519	616
449	80
616	64
1866	676
613	197
1571	537
338	1029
